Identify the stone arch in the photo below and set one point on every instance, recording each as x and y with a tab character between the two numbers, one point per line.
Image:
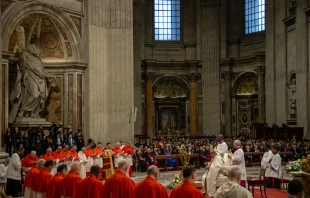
174	79
240	79
18	11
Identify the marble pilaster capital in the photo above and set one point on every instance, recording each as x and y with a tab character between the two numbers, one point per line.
227	75
149	77
193	77
260	70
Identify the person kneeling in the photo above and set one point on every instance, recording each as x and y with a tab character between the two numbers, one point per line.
232	188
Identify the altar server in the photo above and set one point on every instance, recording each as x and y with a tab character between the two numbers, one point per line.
221	147
275	169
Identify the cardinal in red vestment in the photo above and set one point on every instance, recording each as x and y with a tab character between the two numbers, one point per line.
90	186
187	189
149	187
54	188
31	177
128	152
30	161
74	154
118	154
98	153
48	155
43	179
89	154
119	185
65	156
56	154
71	181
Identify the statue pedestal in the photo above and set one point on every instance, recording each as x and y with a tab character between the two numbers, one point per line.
305	179
30	122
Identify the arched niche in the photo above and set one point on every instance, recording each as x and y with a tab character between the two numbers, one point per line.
46	26
170	87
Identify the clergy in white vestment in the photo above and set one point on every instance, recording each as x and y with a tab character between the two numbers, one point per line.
3	170
221	147
209	178
232	189
274	168
265	162
238	159
83	160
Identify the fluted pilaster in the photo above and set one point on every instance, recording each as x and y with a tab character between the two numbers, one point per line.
227	76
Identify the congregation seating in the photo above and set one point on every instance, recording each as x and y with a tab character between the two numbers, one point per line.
178	158
252	162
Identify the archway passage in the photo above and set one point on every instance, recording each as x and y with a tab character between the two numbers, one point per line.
171	99
244	103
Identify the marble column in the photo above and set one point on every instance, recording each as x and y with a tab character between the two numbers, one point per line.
261	71
227	76
149	104
193	103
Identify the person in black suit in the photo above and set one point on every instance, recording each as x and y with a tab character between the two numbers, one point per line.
296	151
8	141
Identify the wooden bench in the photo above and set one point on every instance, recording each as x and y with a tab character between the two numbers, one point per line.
177	157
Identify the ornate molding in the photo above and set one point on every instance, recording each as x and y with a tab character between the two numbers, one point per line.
149	76
260	70
227	75
193	77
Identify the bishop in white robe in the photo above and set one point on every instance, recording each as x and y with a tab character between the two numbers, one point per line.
238	159
221	147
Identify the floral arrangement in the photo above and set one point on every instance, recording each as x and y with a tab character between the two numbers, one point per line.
176	181
293	166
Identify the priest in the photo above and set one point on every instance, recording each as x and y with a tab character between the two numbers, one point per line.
31	177
149	187
71	181
43	179
119	184
54	189
30	161
213	169
221	147
90	186
83	161
187	189
108	168
238	159
265	163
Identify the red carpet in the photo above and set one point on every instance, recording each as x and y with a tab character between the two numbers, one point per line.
271	193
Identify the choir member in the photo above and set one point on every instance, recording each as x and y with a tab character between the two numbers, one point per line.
29	161
119	184
71	181
83	161
238	159
13	173
149	187
221	147
43	179
90	186
31	177
128	152
187	189
54	189
118	154
275	169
